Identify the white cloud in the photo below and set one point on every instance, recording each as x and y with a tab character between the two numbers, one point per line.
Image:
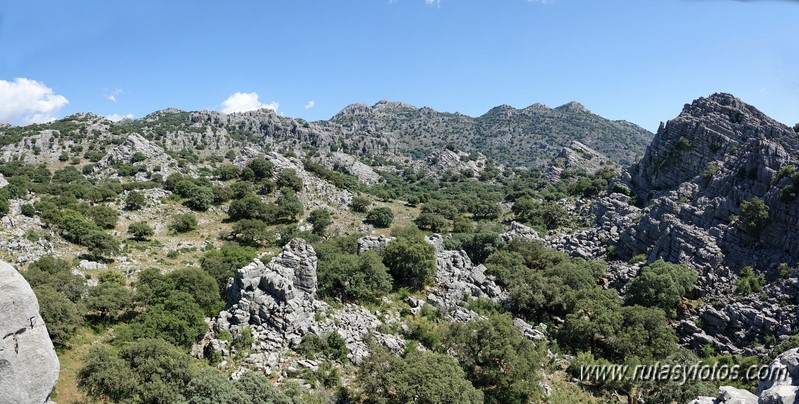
310	104
113	95
28	101
436	3
118	117
243	102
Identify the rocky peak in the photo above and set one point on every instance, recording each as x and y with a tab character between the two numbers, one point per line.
726	105
353	109
392	105
694	177
446	160
123	153
573	106
707	130
537	107
501	111
154	116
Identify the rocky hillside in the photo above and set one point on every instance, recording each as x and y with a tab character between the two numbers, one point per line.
257	258
532	135
715	189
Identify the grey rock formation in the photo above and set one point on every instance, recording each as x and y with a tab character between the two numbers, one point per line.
3	181
349	164
316	192
453	161
779	385
458	281
279	294
588	243
276	300
135	143
14	244
782	384
700	167
579	156
519	230
28	362
368	243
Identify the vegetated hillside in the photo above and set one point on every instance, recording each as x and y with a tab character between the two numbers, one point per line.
255	258
529	136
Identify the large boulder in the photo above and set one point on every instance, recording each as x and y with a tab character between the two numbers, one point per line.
279	293
276	301
782	382
28	362
779	385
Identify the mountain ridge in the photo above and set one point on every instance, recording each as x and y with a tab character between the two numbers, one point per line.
530	136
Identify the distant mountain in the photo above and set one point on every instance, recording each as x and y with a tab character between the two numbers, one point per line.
529	136
509	136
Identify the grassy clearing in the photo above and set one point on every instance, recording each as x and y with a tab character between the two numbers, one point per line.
66	390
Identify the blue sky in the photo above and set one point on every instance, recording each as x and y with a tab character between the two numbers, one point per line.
637	60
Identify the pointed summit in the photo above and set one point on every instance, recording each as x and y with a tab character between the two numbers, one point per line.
573	106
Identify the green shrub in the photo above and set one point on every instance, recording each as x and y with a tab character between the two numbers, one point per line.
411	261
361	278
135	201
260	168
754	215
183	222
380	217
662	284
360	204
288	178
320	219
27	210
421	376
749	282
140	231
200	199
683	144
103	216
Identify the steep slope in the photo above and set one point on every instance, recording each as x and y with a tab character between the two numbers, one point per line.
700	171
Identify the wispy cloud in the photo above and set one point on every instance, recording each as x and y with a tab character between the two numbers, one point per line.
310	104
243	102
118	117
28	101
113	95
436	3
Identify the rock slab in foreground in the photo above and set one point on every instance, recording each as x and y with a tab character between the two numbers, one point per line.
28	362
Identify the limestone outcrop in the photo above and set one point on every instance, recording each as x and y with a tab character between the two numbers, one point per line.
28	362
154	156
685	206
779	386
277	302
